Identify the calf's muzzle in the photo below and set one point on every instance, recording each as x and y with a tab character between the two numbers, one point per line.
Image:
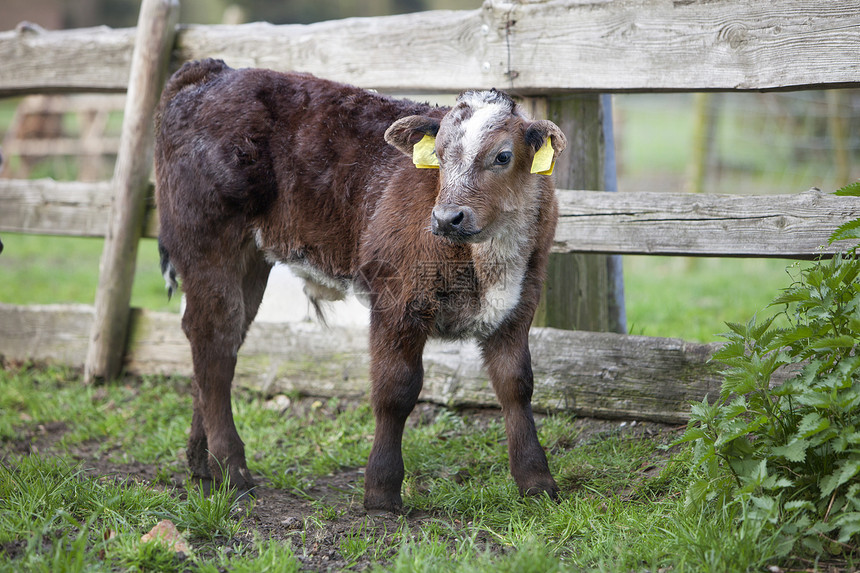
456	222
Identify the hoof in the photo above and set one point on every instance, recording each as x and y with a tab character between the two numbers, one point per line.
205	484
375	503
547	487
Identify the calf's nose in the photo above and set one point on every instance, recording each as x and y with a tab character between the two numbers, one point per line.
453	221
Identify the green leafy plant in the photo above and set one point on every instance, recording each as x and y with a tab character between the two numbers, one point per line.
783	440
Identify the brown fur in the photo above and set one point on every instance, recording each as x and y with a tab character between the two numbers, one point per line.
254	166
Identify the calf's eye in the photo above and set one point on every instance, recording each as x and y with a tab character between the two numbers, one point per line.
503	158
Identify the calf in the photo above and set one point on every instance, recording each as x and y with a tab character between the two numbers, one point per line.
255	167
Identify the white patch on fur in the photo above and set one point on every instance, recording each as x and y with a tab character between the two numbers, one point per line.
499	300
318	284
271	257
474	130
169	275
503	295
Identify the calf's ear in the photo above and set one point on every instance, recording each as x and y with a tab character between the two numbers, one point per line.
538	132
406	132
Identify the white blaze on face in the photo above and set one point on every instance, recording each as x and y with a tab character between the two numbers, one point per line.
483	111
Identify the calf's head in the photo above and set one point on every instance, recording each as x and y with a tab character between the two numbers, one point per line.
491	158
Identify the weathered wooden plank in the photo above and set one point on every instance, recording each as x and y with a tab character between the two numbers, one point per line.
130	180
71	208
81	60
591	374
689	45
534	47
54	332
55	208
63	146
530	47
787	226
440	51
598	374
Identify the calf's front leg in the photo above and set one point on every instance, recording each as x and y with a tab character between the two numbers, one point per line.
397	374
508	362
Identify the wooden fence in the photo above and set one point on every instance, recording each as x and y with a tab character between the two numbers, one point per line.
558	56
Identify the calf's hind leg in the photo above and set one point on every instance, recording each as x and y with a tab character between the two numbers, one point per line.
220	307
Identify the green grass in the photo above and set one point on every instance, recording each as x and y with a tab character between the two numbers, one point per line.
694	298
762	143
622	505
39	269
653	133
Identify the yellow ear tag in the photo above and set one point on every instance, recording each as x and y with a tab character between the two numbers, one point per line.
424	153
543	162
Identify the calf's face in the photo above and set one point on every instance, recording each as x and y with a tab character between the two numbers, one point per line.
485	149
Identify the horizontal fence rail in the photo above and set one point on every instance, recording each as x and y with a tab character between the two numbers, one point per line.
593	374
786	226
531	47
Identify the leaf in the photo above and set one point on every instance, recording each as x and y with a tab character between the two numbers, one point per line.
811	424
776	482
702	411
848	468
815	276
167	535
696	492
757	330
796	334
833	342
849	230
737	328
692	434
731	430
790	295
799	504
734	349
849	526
850	190
737	407
766	503
739	382
794	451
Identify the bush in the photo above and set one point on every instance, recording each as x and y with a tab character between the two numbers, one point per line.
783	440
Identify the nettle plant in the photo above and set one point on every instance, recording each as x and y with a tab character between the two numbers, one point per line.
783	440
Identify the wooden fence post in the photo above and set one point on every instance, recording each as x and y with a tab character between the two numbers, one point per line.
156	30
579	288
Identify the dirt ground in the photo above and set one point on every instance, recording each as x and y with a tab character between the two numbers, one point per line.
281	515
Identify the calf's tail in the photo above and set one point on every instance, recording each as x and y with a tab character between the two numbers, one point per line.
167	270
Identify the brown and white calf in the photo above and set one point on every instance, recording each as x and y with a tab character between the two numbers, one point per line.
255	167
